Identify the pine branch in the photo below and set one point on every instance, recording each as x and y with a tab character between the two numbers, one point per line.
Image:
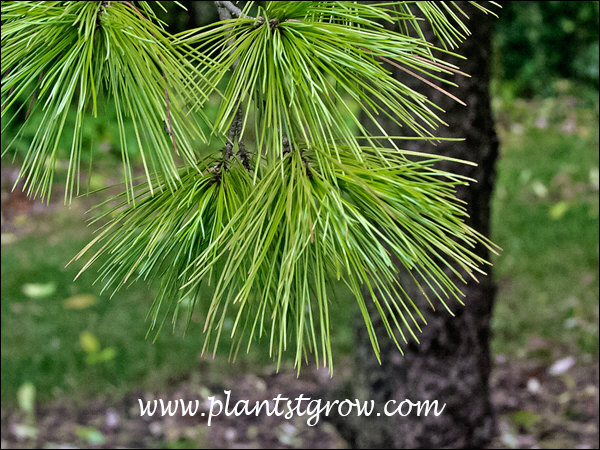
227	9
325	202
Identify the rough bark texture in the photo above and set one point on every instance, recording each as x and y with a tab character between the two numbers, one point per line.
452	362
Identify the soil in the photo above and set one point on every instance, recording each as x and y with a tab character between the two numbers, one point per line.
536	409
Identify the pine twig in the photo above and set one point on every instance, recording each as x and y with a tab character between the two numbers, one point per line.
227	10
288	148
231	136
242	152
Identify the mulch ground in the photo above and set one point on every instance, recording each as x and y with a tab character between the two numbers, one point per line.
536	408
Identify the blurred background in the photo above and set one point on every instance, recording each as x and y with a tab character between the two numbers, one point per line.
74	361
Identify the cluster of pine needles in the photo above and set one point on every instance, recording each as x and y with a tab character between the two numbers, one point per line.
255	243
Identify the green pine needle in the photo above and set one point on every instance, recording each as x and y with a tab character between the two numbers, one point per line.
58	55
270	253
299	64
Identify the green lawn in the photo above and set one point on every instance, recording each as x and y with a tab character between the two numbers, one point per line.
545	216
42	339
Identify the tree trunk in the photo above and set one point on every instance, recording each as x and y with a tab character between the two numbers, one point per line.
452	362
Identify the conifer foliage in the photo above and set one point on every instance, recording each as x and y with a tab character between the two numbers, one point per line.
256	238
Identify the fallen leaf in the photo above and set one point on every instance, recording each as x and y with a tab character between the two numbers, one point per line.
80	301
112	418
91	435
533	385
8	238
525	419
24	431
510	440
561	366
38	290
594	178
107	354
539	189
559	210
26	397
89	342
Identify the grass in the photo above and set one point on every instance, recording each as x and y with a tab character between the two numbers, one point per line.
545	216
41	337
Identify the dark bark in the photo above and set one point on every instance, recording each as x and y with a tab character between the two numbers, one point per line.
452	362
